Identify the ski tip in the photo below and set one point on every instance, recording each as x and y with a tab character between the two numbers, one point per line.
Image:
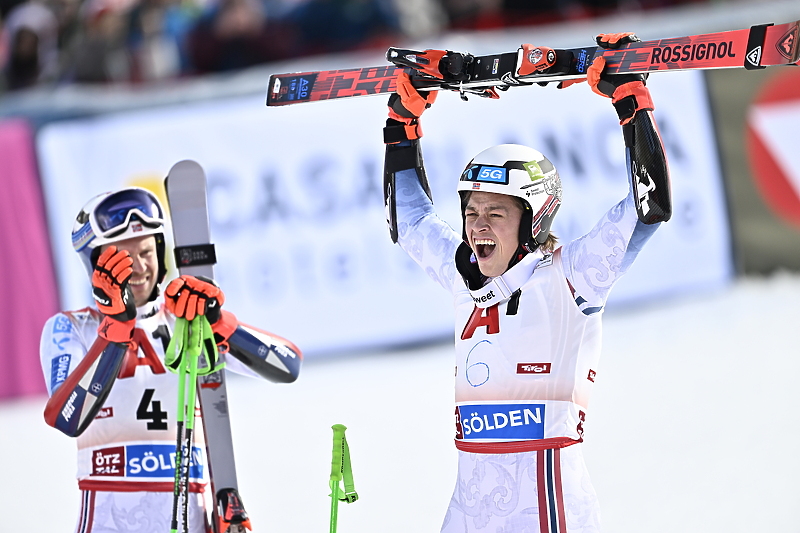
187	165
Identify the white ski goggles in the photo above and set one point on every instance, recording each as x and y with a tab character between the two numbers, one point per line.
113	214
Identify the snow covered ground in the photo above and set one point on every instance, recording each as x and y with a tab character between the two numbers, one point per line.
692	428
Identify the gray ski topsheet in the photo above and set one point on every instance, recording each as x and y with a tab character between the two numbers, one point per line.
186	194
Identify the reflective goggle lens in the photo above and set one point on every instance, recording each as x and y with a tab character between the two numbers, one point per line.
115	210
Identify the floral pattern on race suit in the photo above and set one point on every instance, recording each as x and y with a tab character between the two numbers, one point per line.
432	246
489	499
141	512
594	262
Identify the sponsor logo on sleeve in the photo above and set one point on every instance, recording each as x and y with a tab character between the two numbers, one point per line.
69	408
62	325
591	375
61	343
59	368
501	421
533	368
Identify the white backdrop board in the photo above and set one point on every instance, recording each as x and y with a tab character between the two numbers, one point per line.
297	213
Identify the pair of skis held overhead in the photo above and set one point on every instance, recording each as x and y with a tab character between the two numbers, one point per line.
755	48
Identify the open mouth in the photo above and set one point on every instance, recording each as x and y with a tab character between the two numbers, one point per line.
484	248
137	282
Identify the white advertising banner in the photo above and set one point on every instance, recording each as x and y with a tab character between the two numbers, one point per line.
297	213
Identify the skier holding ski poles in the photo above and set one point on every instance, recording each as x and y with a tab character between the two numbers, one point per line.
126	435
527	309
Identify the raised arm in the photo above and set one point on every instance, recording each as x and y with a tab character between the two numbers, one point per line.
595	261
413	224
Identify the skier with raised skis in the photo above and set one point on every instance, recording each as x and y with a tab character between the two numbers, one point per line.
105	371
528	310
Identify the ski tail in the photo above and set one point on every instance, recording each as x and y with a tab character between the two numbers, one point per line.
231	516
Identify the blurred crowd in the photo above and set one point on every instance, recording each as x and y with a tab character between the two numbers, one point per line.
137	41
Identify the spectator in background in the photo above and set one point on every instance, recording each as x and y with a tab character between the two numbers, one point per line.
67	13
32	55
98	53
157	33
237	34
327	26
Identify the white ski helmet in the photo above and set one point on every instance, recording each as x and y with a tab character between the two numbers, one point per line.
116	216
522	172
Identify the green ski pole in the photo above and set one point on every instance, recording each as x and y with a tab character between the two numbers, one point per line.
340	470
189	342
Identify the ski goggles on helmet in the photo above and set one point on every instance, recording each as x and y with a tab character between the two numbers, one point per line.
113	214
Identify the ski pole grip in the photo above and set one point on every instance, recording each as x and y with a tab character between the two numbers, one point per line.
337	463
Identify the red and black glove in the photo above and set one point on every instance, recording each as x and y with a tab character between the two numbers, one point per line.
406	105
189	296
627	91
113	294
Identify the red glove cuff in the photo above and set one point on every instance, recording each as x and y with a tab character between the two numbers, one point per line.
116	331
630	98
402	129
224	328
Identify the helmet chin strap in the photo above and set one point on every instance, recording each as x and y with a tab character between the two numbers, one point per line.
155	293
522	251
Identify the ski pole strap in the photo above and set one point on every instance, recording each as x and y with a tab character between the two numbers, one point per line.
191	340
340	467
